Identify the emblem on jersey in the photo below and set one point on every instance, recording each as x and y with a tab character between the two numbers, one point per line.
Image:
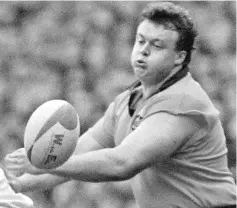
136	122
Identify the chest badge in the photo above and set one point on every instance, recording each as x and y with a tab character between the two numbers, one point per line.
136	122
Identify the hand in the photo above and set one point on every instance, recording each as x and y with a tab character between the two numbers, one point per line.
11	179
17	163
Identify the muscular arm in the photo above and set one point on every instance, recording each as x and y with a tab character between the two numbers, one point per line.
153	141
28	182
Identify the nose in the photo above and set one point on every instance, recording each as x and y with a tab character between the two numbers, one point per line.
145	50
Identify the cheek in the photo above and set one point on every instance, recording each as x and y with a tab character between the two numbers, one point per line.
163	59
133	54
169	56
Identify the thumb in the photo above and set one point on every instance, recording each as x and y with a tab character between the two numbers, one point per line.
15	185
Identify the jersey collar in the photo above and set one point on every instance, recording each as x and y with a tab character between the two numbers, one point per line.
136	93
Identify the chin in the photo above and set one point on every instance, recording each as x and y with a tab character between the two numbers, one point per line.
148	80
144	79
140	72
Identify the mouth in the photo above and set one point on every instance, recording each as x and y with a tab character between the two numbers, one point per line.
141	64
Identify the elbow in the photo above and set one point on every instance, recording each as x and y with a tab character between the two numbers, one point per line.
126	169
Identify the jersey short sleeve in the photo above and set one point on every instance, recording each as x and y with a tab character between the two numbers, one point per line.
185	104
187	98
103	130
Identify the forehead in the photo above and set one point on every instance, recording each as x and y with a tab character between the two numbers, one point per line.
152	31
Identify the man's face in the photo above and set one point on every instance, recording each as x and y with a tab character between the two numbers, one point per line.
154	55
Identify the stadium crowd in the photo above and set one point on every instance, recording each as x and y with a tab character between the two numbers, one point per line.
80	52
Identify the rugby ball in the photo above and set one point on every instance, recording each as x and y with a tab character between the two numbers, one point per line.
51	134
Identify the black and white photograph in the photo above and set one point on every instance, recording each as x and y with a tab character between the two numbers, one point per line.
118	104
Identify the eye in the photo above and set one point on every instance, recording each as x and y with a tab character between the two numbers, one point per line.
157	47
158	44
140	40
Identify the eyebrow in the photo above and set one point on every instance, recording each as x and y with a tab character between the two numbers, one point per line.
152	40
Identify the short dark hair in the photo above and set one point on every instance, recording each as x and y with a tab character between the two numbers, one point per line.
173	17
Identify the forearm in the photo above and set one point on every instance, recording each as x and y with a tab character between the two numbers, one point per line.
98	166
28	182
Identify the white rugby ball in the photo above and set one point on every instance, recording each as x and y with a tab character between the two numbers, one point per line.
51	134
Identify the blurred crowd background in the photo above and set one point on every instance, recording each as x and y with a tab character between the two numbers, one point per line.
80	52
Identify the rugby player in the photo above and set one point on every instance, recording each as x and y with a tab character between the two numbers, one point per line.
163	133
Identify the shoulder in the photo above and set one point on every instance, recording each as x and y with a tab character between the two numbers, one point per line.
184	97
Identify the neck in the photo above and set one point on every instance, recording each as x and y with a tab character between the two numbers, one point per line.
149	90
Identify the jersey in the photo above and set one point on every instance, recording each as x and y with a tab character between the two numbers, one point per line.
10	199
197	174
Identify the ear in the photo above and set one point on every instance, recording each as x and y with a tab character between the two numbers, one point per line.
180	57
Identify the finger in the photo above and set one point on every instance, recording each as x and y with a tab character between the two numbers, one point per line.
18	156
12	155
13	160
21	151
14	167
18	151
